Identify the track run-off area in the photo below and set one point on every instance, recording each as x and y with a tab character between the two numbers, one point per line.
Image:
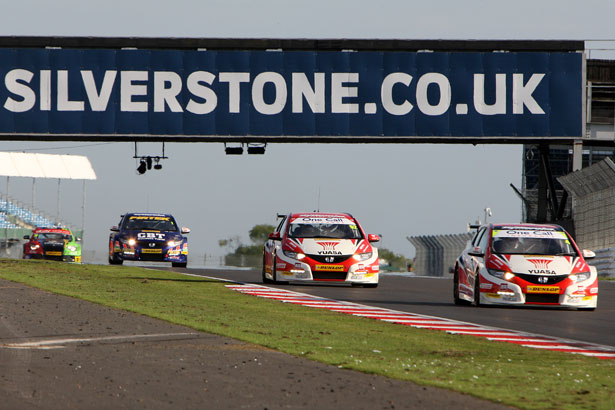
429	322
429	305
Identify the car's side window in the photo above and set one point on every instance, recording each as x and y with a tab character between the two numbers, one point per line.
484	239
477	236
279	228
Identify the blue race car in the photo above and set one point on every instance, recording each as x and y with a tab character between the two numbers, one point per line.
148	237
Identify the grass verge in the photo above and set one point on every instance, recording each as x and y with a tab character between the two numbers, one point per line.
501	372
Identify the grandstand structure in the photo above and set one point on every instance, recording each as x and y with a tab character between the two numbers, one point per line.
18	219
15	215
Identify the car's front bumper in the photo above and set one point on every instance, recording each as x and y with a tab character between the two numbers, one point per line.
364	272
178	254
495	291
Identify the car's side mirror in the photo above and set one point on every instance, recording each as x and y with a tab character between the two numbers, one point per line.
587	254
26	237
115	228
274	236
476	251
373	238
185	230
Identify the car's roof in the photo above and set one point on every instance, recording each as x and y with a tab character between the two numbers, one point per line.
528	226
147	214
52	230
320	215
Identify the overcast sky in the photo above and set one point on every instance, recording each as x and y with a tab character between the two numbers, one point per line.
403	189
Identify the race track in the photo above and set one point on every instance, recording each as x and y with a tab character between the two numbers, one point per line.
433	296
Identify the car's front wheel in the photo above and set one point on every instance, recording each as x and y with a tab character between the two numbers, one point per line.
265	278
274	274
179	264
456	297
476	301
113	259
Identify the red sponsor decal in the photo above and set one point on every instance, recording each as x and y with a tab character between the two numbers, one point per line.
328	246
541	263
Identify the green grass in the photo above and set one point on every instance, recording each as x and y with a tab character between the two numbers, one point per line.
501	372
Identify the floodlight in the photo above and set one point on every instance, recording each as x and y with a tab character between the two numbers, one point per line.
233	150
255	148
142	167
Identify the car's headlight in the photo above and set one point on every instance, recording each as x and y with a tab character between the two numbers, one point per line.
362	256
131	242
35	246
173	244
579	277
501	274
72	248
294	255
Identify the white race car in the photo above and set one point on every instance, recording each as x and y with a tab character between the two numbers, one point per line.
321	247
525	264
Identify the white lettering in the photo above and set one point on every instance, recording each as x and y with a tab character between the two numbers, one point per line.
386	94
167	95
339	92
197	89
258	98
234	80
129	90
45	90
499	107
98	100
522	94
445	94
315	97
13	82
64	104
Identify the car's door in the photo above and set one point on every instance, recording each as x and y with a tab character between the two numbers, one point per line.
478	257
466	279
272	244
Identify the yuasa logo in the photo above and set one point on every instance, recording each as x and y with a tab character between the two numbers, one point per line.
542	266
328	248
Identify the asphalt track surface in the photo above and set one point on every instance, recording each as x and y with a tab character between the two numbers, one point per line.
58	352
434	297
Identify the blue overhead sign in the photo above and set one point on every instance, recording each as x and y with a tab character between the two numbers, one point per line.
173	93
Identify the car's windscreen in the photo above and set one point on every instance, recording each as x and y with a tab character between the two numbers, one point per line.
324	230
556	244
54	236
157	223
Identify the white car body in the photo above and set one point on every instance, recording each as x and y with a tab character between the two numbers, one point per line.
289	256
545	269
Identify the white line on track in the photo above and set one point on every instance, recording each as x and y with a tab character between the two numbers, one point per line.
60	343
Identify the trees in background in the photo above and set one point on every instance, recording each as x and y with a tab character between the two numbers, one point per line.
247	255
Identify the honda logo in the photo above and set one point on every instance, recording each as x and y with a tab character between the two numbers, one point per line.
152	244
329	259
543	279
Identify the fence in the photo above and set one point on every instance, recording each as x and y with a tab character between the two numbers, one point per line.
436	254
604	262
593	192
